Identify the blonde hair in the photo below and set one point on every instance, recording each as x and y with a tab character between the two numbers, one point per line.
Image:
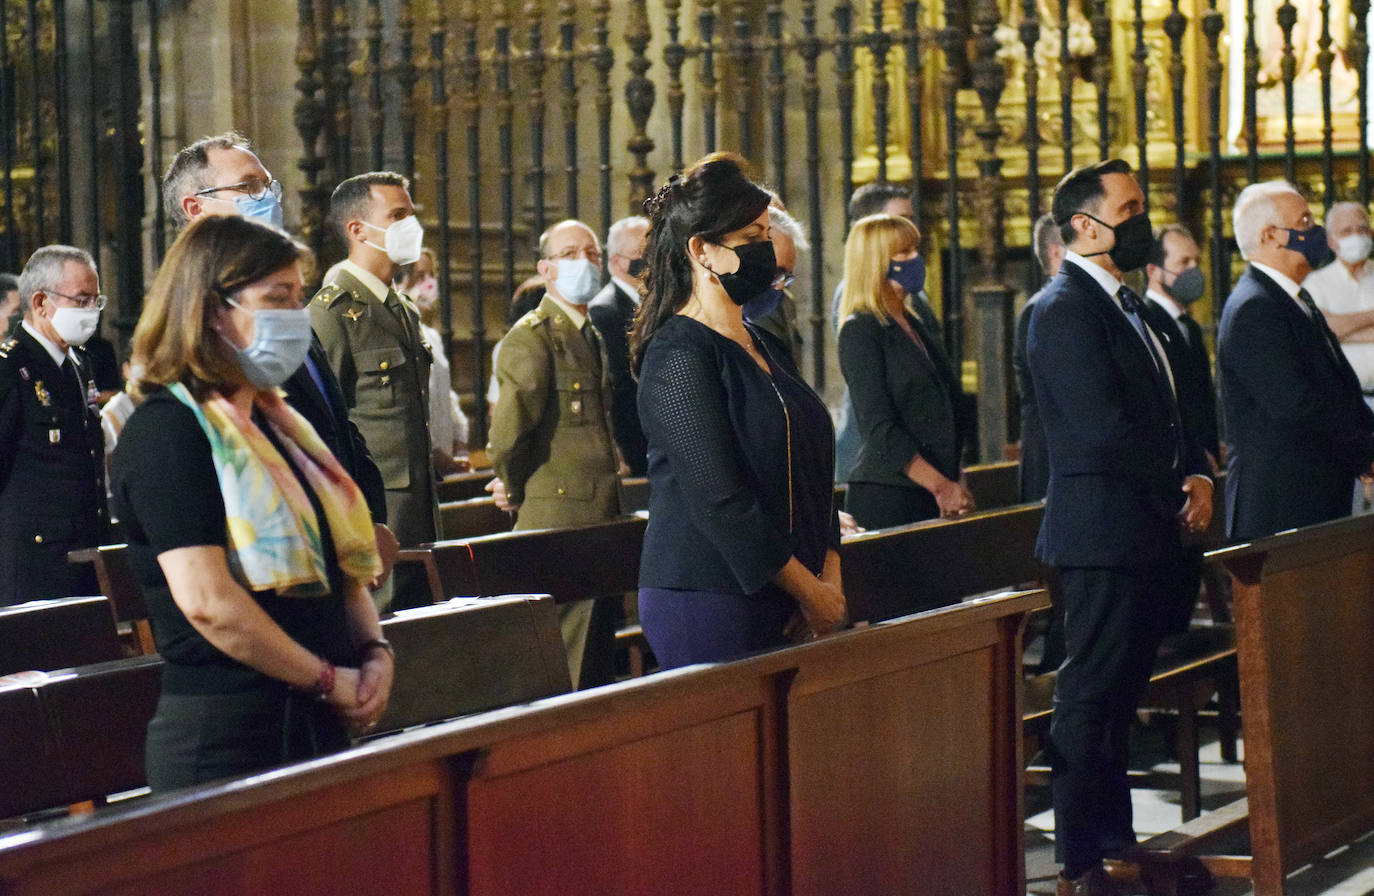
212	259
868	251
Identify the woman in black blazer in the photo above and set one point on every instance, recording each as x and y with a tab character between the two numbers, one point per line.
901	381
742	544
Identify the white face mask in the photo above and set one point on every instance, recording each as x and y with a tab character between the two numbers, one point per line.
76	325
403	240
576	280
1354	248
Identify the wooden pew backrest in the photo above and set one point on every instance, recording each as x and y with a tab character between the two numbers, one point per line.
994	485
473	517
895	572
470	655
55	634
634	494
33	775
462	486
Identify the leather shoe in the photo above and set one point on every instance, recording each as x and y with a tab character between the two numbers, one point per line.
1094	882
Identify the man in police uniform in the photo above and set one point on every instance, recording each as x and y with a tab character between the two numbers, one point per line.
550	441
52	458
371	335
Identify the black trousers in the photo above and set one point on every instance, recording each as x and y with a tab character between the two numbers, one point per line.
1114	619
196	738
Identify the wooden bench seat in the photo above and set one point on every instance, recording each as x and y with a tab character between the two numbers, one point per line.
55	634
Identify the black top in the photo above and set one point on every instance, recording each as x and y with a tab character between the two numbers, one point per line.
168	497
611	311
739	463
906	398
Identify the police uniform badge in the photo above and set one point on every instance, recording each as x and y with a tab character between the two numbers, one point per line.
43	395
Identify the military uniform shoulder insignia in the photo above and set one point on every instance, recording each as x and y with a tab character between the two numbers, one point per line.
330	294
8	346
354	314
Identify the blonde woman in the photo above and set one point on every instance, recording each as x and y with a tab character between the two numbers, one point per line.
902	384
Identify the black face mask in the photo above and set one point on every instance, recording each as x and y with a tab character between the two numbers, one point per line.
757	268
636	266
1134	237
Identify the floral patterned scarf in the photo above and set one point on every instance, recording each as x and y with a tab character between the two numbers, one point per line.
274	536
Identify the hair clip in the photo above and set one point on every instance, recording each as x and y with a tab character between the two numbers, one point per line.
653	206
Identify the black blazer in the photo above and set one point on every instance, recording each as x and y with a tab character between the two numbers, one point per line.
905	399
612	312
1192	368
737	485
329	415
1298	430
1034	468
1115	488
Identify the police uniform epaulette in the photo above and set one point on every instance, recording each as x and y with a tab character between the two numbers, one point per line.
8	346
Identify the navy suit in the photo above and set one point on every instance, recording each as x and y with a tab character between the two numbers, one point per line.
1034	468
1118	459
1298	429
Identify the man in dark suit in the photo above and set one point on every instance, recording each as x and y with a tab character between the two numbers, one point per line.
211	176
1124	479
611	312
1175	283
1298	429
1034	468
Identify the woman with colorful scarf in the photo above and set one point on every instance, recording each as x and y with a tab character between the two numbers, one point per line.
252	545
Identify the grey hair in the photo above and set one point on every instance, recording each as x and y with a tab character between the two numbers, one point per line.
618	235
1044	235
44	271
1255	210
791	226
1344	208
186	174
548	232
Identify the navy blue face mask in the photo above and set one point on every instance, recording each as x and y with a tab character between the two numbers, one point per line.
1311	244
910	275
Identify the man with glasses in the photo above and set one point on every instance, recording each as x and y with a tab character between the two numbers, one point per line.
612	311
221	175
550	441
52	458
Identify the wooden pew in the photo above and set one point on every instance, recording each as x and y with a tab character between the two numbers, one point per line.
994	485
471	655
473	517
791	772
571	564
634	494
462	486
117	582
55	634
76	735
1304	609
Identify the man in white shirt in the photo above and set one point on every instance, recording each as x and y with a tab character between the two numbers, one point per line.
1344	289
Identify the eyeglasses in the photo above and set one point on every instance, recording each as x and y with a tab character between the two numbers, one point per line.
253	188
85	301
782	279
591	255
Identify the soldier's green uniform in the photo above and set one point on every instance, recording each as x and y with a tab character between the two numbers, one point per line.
550	440
382	362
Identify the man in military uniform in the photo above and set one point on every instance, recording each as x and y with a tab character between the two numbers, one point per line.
52	458
221	175
550	440
371	336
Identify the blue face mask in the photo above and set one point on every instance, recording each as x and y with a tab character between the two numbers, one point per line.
1311	243
281	340
266	210
910	275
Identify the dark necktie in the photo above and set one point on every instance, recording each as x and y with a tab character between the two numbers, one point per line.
1333	345
593	342
1134	307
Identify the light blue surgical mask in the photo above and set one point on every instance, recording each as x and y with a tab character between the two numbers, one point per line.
265	210
281	340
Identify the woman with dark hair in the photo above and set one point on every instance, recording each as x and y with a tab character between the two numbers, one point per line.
250	541
742	544
901	381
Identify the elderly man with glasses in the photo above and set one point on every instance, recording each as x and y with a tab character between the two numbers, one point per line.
52	459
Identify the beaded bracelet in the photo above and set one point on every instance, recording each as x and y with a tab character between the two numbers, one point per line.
324	685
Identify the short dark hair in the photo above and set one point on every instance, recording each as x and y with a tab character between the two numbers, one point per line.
8	282
871	197
186	174
1157	250
712	198
1080	191
352	198
1044	235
